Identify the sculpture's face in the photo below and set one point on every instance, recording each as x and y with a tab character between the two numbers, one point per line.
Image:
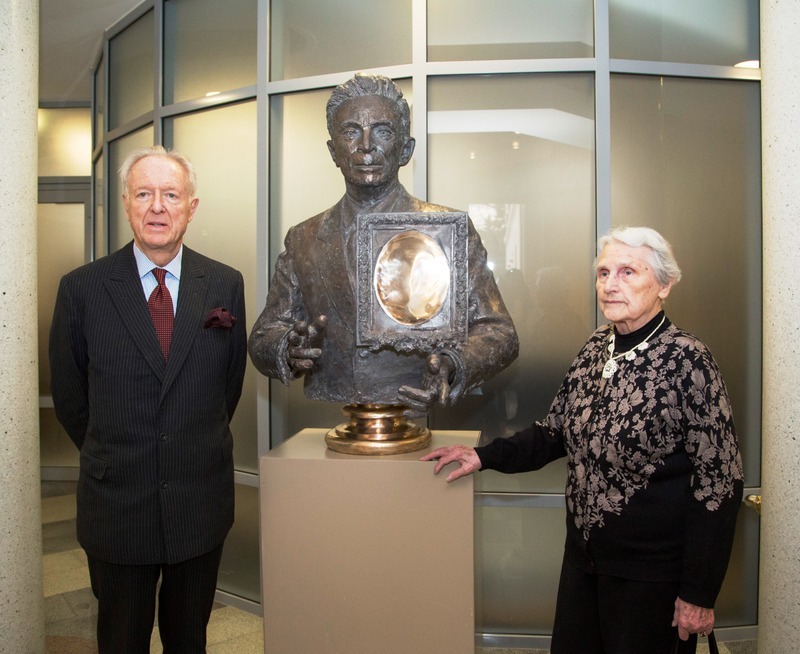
368	142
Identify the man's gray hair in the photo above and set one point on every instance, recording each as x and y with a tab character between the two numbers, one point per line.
158	151
660	255
361	85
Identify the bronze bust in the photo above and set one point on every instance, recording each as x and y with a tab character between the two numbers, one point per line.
309	324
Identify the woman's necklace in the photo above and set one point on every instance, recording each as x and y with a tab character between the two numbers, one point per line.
611	363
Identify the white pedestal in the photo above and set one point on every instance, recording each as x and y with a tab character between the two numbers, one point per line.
365	554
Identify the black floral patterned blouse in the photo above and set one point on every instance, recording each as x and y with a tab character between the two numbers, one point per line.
654	475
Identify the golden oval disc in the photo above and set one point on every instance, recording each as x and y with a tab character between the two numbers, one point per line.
412	278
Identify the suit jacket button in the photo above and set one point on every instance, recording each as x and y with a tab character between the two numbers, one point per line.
162	436
164	485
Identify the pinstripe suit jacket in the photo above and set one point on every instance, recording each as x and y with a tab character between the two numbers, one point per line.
156	466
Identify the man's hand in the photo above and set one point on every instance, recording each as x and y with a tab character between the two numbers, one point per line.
435	386
466	457
692	619
304	344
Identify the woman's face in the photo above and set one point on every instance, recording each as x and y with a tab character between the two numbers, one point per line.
628	292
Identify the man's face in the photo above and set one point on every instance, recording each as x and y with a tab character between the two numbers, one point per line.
158	207
367	142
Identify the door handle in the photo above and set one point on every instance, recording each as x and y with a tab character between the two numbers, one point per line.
754	502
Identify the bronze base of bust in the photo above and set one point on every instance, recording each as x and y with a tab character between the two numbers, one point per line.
377	429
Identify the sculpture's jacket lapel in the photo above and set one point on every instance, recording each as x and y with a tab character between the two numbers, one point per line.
338	280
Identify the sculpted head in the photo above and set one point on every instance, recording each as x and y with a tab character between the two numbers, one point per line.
369	124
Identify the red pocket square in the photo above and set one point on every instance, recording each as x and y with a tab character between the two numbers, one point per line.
219	318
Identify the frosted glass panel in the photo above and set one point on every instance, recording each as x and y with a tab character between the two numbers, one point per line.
65	142
209	46
685	160
60	247
304	181
518	554
222	146
239	571
99	103
131	57
100	231
723	32
119	231
509	29
311	38
737	603
518	153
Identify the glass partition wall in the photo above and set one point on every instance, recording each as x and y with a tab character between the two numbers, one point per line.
549	122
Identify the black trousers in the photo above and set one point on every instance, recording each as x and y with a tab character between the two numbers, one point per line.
126	598
600	614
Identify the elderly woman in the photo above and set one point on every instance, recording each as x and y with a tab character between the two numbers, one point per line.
654	475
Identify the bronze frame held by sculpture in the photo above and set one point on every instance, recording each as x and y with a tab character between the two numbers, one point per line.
375	329
383	428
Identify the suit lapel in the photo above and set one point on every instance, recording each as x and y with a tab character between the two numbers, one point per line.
189	317
125	290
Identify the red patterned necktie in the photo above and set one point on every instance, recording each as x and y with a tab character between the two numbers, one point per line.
160	305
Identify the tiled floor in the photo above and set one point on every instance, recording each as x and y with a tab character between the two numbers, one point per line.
71	609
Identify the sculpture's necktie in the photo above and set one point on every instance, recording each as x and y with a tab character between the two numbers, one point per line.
160	305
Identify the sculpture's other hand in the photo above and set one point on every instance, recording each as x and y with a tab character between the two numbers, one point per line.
305	341
435	386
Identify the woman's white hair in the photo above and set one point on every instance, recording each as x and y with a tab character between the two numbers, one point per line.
659	254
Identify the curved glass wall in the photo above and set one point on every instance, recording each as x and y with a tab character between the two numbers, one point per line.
511	29
549	122
131	65
313	38
721	32
212	47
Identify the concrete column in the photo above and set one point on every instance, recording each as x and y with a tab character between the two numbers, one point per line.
21	603
779	582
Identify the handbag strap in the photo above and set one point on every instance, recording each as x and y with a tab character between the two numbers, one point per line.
712	644
691	644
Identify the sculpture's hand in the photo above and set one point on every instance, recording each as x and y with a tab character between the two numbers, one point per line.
305	340
435	386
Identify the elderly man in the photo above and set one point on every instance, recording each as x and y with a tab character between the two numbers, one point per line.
147	352
308	327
